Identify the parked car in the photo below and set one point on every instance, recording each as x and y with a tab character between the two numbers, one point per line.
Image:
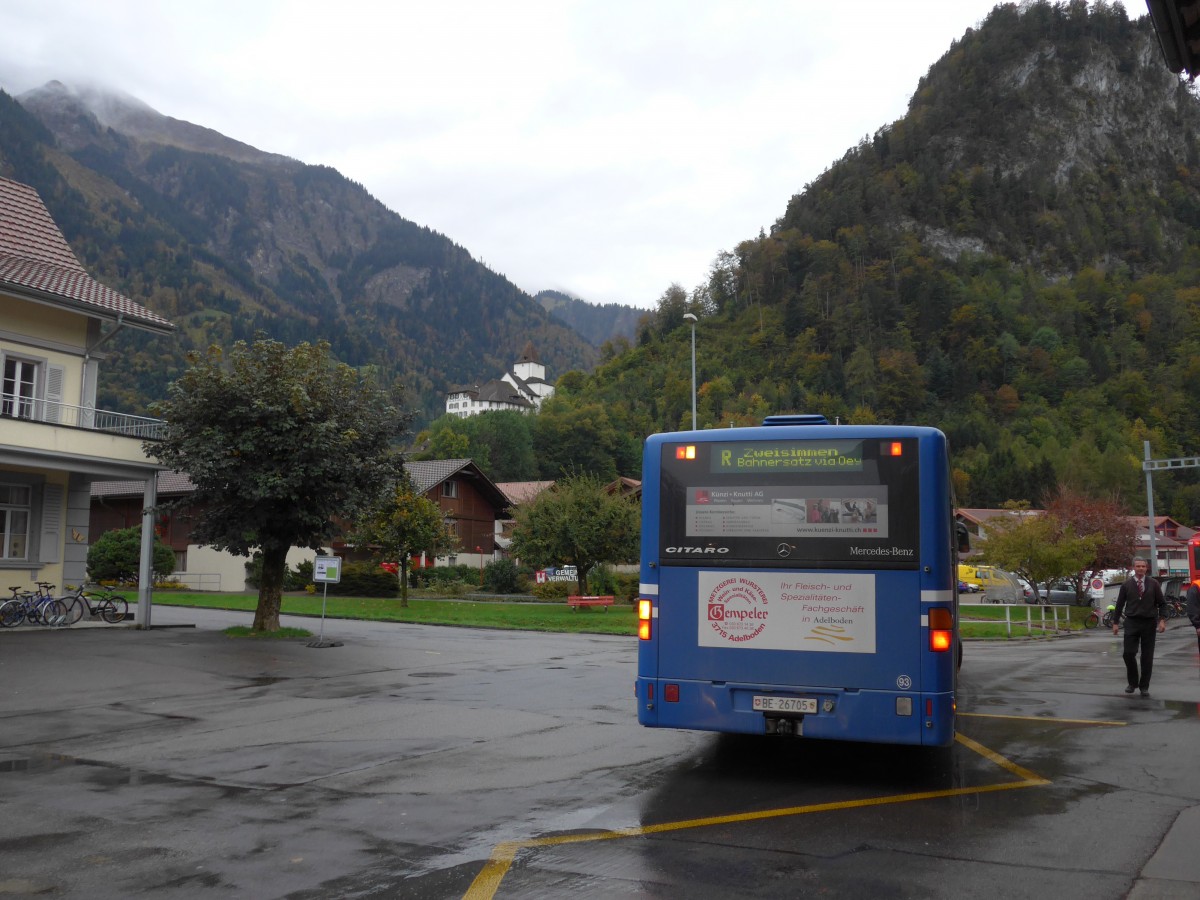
1060	593
964	588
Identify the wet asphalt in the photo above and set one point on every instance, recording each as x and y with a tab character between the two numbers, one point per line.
417	761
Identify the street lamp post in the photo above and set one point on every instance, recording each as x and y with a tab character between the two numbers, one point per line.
689	317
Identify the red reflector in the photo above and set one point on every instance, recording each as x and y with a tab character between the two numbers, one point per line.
941	618
671	693
650	692
928	708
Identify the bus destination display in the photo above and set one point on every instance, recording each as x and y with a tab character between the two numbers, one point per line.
766	457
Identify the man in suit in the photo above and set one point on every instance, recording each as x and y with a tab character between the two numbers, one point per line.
1141	601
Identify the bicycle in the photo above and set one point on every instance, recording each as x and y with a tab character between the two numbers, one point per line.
38	607
110	607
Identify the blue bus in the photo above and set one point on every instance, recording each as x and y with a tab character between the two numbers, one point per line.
799	578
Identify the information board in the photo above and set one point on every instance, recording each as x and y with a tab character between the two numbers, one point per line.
327	569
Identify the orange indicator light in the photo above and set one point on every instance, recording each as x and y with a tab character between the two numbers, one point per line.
895	448
688	452
644	612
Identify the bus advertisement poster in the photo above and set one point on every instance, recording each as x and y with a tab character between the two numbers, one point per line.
821	612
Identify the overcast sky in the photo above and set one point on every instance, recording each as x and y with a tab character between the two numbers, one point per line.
603	148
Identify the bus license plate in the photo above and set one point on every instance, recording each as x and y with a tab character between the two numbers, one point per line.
786	704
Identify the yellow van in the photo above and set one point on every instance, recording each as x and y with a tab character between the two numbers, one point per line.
984	578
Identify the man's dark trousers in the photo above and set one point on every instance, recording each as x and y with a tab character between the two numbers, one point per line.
1139	635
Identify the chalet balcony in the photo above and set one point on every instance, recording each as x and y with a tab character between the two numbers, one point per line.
50	412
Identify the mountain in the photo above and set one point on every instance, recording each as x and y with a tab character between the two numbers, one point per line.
227	240
1015	261
596	322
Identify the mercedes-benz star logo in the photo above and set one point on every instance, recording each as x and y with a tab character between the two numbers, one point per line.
784	550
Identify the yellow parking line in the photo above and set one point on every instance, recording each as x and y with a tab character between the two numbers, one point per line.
1042	719
487	882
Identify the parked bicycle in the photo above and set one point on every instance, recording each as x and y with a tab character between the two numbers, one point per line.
38	607
102	602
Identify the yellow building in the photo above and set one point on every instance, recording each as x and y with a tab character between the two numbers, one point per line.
54	322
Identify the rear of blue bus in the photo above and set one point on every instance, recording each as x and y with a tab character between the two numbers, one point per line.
799	580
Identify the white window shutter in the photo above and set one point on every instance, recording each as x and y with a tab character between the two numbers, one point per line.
50	549
54	393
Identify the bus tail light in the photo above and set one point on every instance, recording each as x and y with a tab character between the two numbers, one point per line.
645	608
671	693
941	629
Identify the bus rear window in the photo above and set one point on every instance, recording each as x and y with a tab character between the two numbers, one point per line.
842	503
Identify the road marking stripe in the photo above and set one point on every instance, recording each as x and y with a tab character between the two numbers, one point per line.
1043	719
487	882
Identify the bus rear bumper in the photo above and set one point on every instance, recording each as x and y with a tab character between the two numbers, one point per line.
890	717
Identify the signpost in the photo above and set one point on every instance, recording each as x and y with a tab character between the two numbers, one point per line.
327	570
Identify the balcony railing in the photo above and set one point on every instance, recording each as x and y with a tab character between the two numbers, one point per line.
50	412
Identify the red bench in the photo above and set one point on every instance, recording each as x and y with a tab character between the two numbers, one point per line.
575	601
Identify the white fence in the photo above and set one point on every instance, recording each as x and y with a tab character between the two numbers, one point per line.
198	581
1034	624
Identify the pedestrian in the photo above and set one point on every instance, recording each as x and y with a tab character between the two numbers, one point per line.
1193	607
1142	602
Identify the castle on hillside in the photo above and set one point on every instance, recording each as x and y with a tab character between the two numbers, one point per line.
523	389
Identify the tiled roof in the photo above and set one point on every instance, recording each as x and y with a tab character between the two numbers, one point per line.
34	256
522	491
169	484
427	473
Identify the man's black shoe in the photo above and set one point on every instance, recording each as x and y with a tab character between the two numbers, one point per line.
1145	693
1129	688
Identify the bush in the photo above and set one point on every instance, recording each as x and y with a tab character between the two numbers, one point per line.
364	579
554	590
500	577
440	576
628	587
116	556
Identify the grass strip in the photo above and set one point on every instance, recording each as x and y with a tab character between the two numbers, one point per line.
977	622
555	617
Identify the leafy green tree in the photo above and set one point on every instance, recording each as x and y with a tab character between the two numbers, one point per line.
117	556
576	523
569	437
507	436
403	523
1039	548
279	442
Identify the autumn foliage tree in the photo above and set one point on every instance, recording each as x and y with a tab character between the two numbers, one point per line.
1039	548
1103	517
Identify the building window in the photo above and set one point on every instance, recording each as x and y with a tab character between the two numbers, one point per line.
450	488
16	508
19	389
